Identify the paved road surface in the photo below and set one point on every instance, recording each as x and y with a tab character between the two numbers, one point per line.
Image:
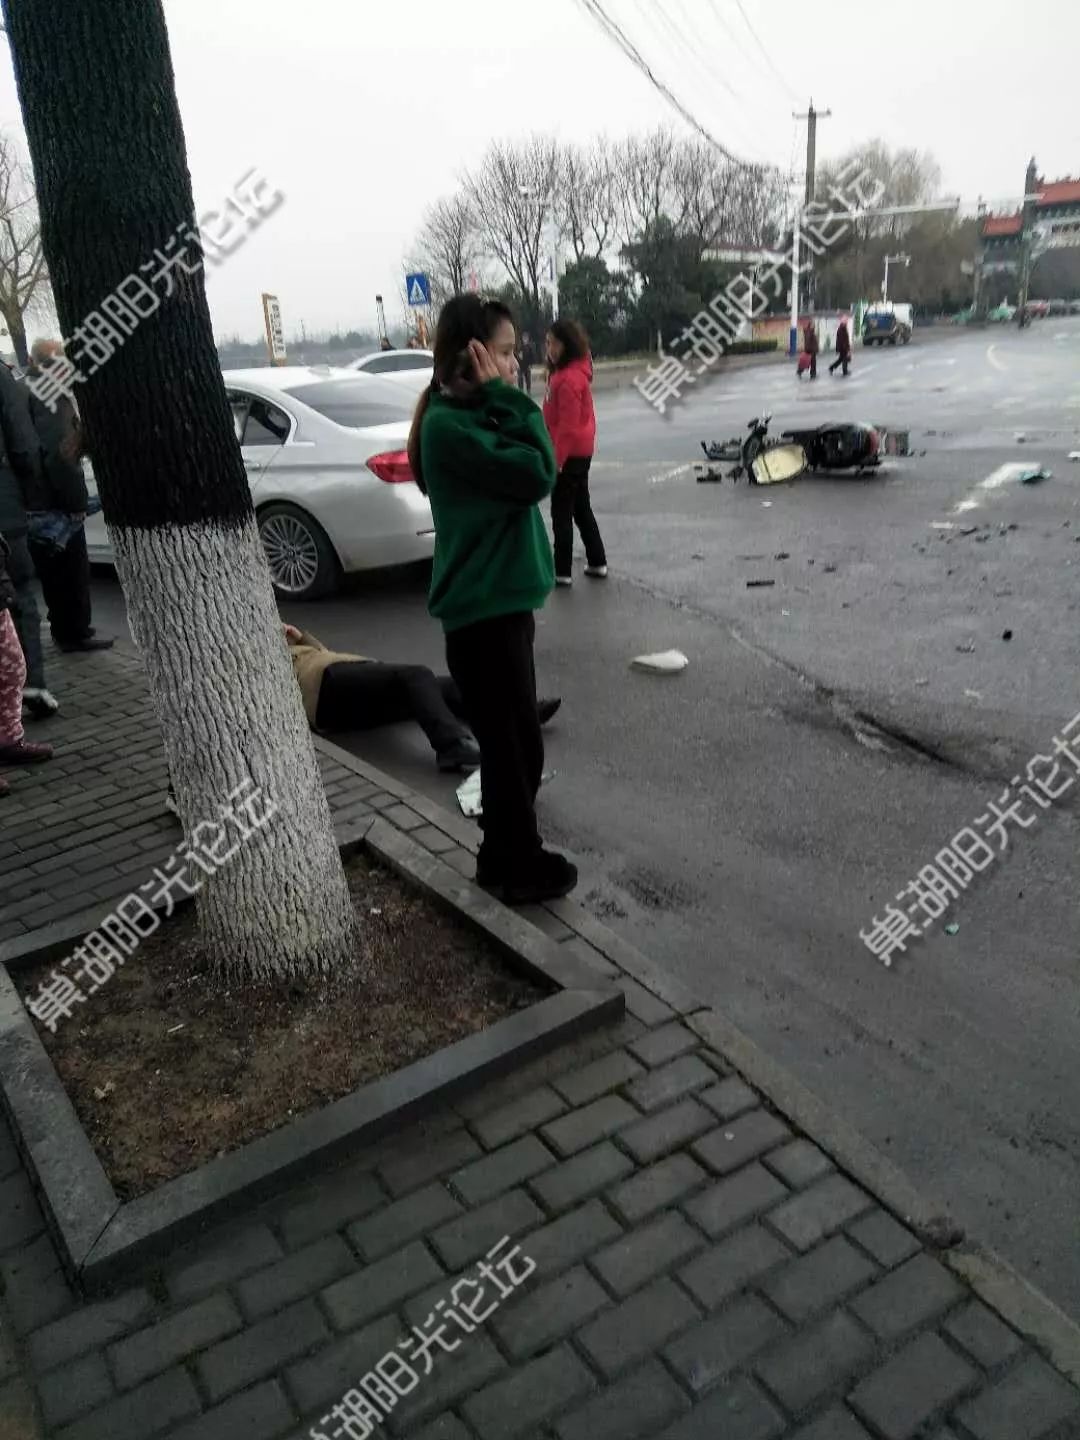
743	821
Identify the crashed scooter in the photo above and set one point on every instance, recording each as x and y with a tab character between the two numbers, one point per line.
764	461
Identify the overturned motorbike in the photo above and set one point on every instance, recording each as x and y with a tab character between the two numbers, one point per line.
766	461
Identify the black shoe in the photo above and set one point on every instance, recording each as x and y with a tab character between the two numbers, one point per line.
550	877
463	754
88	642
548	709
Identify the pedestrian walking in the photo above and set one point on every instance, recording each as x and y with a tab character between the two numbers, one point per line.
526	361
19	464
571	421
57	505
810	346
843	347
479	450
15	749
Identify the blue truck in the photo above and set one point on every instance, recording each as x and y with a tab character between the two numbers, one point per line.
887	324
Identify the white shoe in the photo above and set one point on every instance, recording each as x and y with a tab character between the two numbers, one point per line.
40	703
598	572
564	580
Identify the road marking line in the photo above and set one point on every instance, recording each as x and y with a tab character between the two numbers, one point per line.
990	355
666	475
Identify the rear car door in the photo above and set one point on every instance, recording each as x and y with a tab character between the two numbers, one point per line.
262	428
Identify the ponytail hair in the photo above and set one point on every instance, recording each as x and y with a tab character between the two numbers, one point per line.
462	319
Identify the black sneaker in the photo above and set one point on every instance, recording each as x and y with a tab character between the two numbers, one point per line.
463	754
39	703
547	709
550	877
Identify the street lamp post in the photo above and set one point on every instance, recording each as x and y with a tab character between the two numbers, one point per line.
904	260
548	219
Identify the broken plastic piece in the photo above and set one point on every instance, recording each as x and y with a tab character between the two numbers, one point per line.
952	929
1074	454
471	801
664	662
758	584
1034	475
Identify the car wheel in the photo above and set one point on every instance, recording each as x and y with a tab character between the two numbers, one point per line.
302	562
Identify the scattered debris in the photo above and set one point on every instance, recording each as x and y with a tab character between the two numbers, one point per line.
973	694
174	1029
942	525
1074	454
969	530
697	555
952	929
1020	437
982	539
758	584
968	647
782	555
830	569
1006	635
665	662
102	1092
785	612
470	798
1034	475
922	680
767	504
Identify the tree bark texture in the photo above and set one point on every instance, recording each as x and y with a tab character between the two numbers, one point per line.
106	140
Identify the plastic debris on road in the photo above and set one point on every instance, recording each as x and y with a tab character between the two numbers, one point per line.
758	584
470	797
968	648
664	662
952	929
1033	475
1074	454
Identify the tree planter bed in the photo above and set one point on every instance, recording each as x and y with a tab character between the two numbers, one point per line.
165	1148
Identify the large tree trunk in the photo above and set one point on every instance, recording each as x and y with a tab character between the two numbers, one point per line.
99	102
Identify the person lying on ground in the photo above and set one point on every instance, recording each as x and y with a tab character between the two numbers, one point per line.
352	692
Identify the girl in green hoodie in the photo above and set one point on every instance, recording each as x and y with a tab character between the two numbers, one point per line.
481	453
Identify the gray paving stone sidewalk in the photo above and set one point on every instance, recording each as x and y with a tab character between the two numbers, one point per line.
703	1268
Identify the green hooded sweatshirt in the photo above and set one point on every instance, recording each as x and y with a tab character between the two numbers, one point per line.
487	463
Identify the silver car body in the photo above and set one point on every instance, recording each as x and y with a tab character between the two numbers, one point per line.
319	466
410	368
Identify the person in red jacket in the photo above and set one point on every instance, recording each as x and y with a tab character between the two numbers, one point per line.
571	422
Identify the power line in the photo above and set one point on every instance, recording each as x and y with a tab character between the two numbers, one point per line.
768	58
614	32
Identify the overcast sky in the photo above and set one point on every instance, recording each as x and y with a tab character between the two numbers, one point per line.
362	111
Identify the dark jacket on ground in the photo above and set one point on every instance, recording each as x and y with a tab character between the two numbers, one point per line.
62	485
20	464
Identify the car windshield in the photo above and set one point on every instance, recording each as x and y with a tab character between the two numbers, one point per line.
356	402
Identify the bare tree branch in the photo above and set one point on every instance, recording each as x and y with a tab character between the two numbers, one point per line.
24	283
511	195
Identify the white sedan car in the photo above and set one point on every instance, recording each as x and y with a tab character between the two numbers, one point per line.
324	449
411	368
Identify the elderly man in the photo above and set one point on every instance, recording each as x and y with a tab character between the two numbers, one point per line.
56	507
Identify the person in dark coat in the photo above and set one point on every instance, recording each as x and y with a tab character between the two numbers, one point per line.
843	347
811	347
63	568
526	360
19	475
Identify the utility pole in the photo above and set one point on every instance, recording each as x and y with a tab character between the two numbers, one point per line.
811	117
892	260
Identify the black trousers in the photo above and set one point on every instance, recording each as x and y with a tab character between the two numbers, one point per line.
844	360
570	506
26	616
65	583
492	663
525	378
361	695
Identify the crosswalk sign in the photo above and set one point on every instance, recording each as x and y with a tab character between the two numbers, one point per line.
418	289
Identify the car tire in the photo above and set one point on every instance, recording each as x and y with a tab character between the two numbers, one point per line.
303	564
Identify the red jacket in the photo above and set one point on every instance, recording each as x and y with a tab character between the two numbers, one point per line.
569	413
